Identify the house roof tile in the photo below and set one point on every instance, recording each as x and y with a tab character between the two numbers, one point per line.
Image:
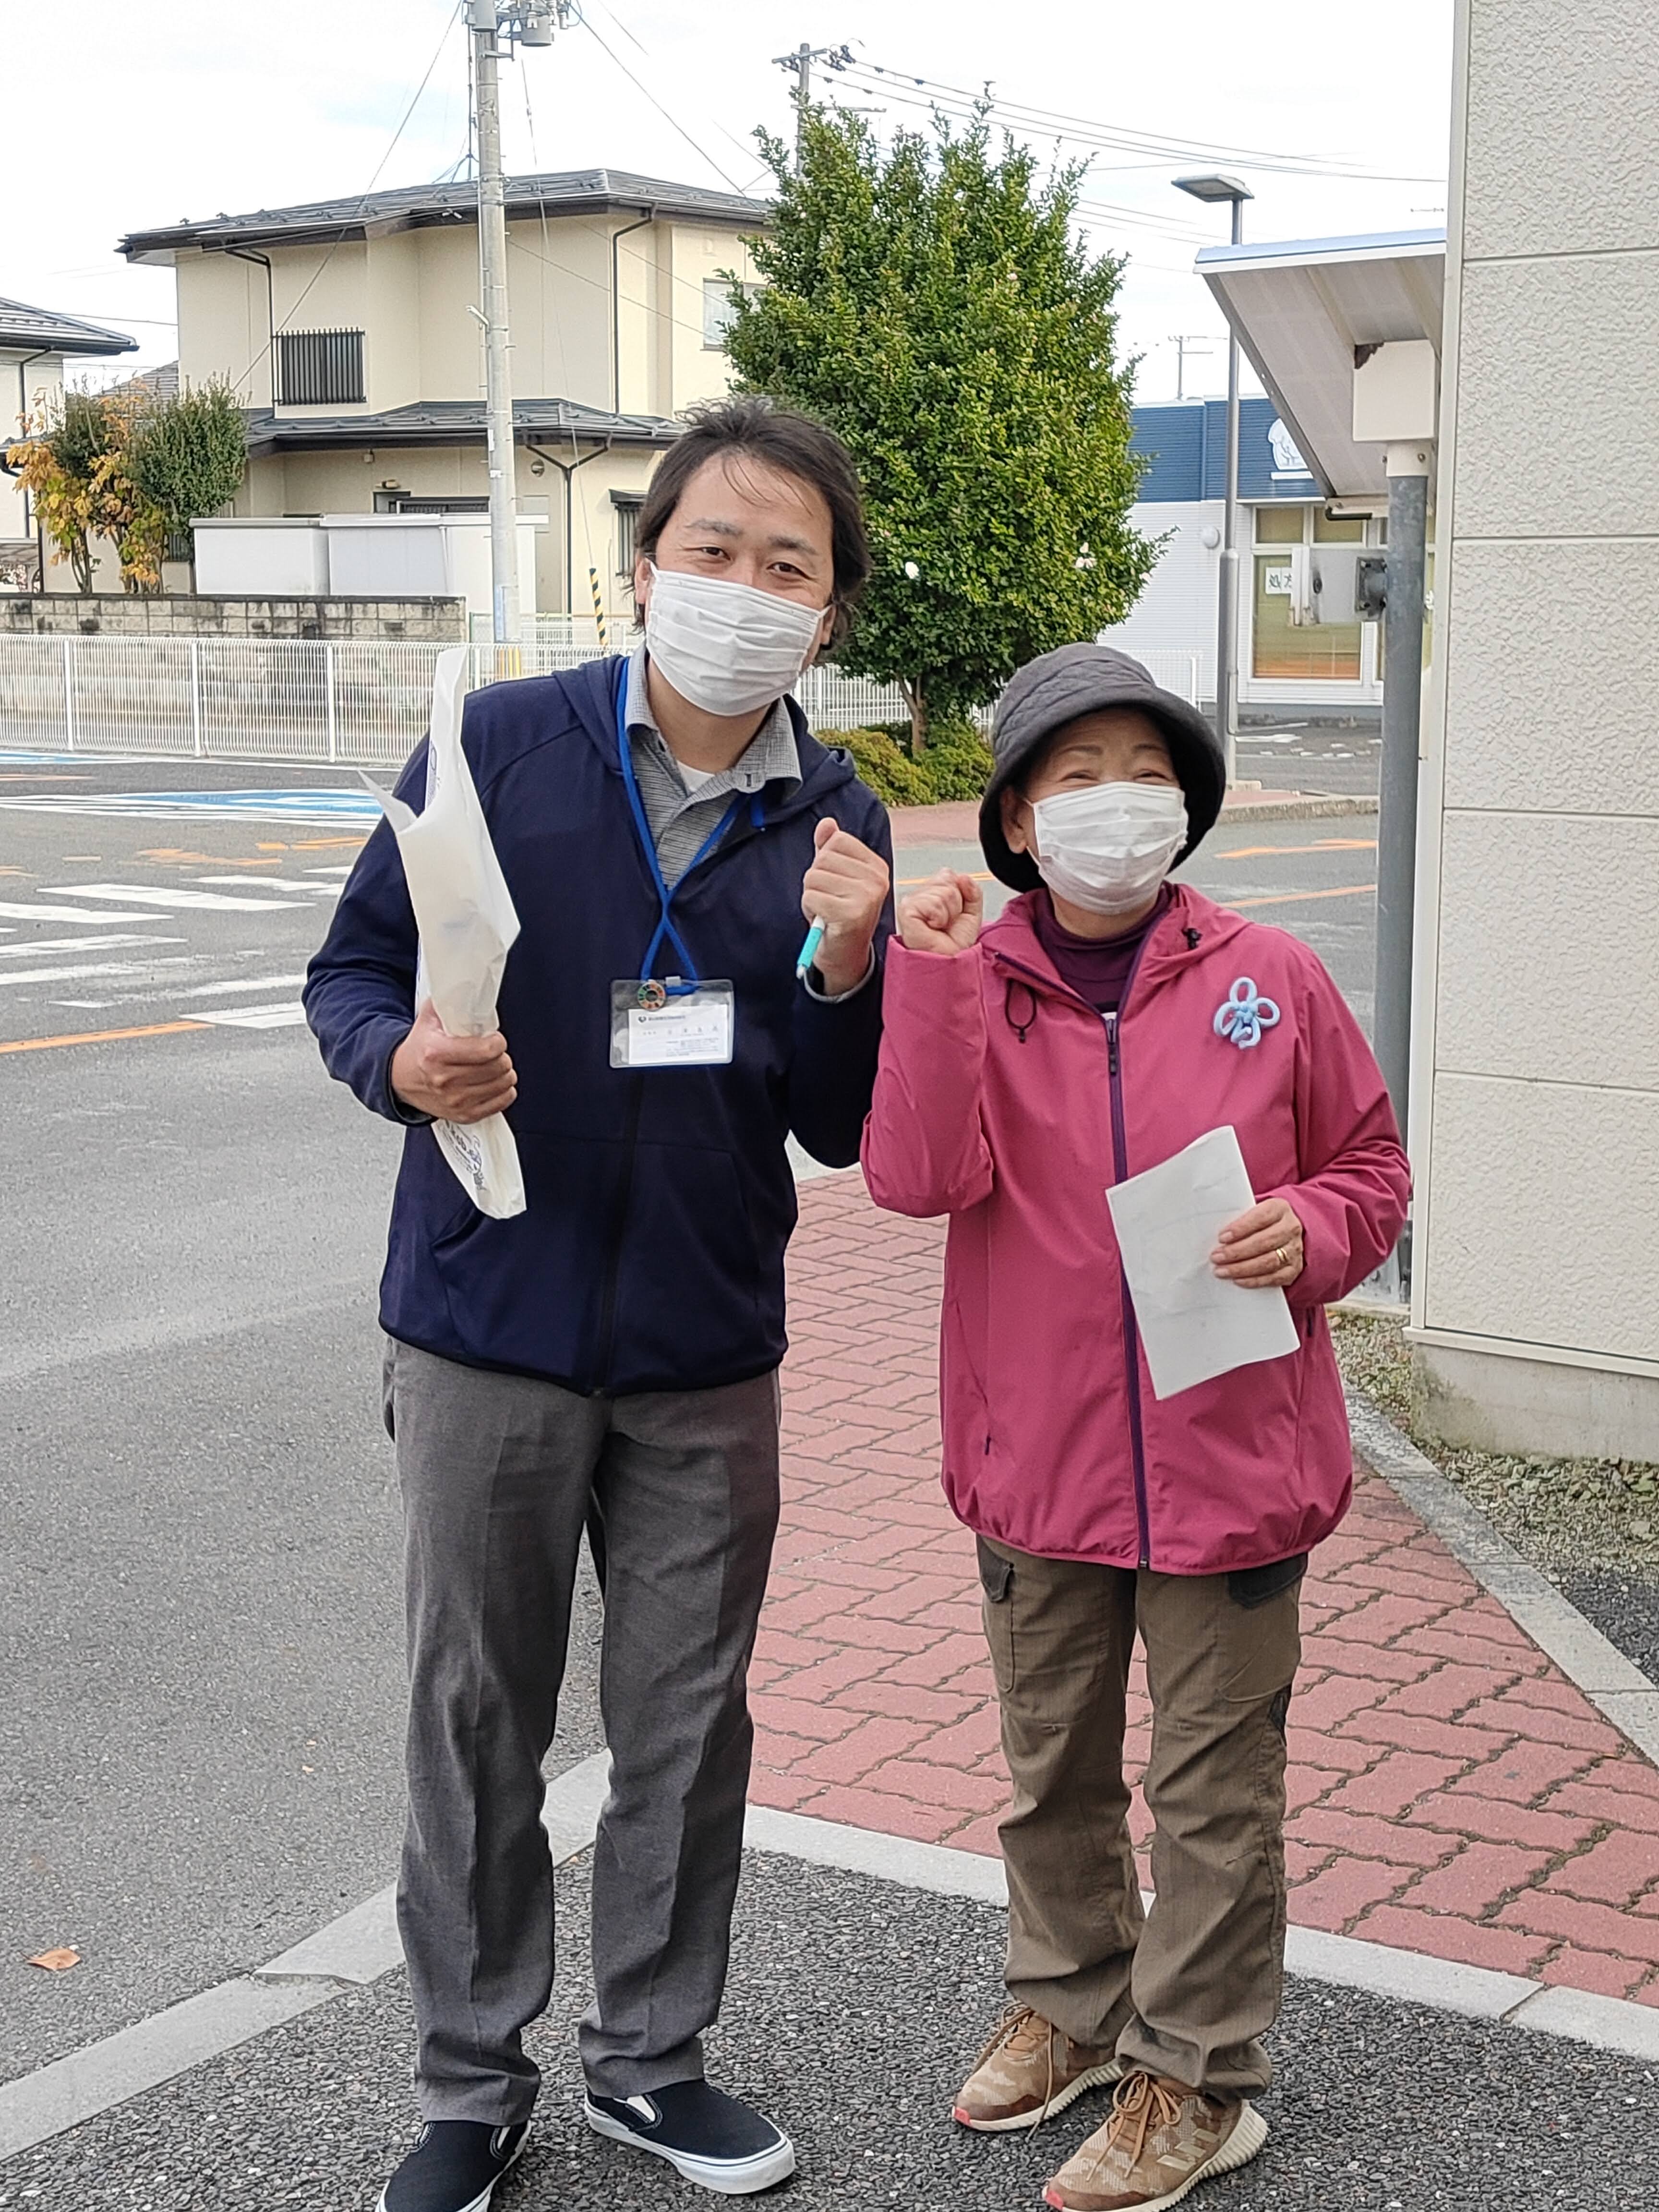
411	207
453	422
33	327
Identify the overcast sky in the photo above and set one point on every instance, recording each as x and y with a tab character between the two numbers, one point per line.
181	108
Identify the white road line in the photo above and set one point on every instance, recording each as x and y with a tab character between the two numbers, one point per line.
14	912
276	882
252	1018
328	872
104	968
248	983
81	943
152	895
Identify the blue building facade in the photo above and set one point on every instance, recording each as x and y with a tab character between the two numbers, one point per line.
1185	448
1300	643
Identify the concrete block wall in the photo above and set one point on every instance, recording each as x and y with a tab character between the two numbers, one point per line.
422	621
1536	1124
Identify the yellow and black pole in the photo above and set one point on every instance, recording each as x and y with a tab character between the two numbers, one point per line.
599	610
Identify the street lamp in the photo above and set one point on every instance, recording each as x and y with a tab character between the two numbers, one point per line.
1215	189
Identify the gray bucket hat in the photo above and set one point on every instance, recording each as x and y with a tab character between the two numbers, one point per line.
1081	680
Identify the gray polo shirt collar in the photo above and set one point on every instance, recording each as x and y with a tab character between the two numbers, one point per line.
771	756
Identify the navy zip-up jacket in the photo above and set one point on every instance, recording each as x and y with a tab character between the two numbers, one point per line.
659	1201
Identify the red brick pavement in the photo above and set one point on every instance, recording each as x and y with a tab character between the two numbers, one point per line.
1451	1791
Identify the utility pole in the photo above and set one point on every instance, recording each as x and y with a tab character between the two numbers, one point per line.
801	62
1216	190
491	24
1200	341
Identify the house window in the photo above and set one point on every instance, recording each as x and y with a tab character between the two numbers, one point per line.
320	368
718	312
628	518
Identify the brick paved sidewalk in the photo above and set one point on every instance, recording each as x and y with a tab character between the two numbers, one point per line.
1451	1792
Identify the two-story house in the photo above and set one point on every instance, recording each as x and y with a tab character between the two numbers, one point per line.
351	331
34	344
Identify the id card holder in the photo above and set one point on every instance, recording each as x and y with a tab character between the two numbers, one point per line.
653	1027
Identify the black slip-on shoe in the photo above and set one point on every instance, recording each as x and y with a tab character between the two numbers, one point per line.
706	2137
454	2168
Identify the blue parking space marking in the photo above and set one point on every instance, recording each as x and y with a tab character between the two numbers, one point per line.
327	809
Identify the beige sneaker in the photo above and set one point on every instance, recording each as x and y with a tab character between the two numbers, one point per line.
1027	2072
1162	2140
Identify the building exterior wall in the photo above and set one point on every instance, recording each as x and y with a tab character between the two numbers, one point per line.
1536	1093
1176	610
413	295
224	324
1331	665
28	387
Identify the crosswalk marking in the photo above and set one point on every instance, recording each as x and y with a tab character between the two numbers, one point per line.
153	895
81	944
281	883
254	1018
245	983
15	911
99	968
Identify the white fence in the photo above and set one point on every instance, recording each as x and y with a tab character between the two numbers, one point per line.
299	700
282	699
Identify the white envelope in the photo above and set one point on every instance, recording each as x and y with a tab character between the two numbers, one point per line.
1193	1325
465	915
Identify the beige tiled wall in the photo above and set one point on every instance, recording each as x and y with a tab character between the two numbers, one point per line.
1538	1058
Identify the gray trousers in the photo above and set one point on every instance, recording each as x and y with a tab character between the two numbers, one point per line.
499	1473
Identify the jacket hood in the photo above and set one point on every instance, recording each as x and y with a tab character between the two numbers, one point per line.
592	689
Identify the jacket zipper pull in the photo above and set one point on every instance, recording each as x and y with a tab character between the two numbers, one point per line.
1110	1021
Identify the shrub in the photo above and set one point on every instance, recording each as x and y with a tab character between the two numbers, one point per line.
888	769
957	763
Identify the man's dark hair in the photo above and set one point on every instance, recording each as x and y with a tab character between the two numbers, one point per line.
783	439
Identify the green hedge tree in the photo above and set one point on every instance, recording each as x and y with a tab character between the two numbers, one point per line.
188	454
931	305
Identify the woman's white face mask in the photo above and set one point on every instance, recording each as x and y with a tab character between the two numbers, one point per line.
1108	848
728	647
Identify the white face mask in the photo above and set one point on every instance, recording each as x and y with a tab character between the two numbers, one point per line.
1108	848
726	647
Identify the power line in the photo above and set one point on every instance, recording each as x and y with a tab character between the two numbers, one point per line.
701	151
957	99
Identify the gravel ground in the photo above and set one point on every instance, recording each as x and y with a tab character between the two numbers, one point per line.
1591	1525
853	2005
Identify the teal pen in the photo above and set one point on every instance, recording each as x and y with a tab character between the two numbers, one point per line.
809	952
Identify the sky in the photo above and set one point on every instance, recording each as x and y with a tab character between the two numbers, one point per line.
184	108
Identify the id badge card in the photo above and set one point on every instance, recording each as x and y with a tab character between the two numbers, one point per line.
651	1027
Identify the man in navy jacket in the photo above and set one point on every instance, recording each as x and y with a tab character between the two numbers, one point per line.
608	1358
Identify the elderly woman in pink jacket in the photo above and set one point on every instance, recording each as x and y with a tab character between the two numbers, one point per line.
1106	1020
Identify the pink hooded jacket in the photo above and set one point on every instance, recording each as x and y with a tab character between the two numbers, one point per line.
1007	1101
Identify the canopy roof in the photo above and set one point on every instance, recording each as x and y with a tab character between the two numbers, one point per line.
1300	308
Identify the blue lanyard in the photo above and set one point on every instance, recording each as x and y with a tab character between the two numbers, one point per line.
647	845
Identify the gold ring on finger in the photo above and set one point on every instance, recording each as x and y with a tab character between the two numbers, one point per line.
1279	1254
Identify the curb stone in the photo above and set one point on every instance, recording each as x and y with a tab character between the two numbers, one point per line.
1615	1686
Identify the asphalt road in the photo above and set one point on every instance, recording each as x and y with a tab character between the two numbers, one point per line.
200	1629
853	2010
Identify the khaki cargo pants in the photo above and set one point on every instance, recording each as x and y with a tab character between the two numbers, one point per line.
1189	1987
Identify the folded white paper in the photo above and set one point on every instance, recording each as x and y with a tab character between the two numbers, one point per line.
467	921
1193	1325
